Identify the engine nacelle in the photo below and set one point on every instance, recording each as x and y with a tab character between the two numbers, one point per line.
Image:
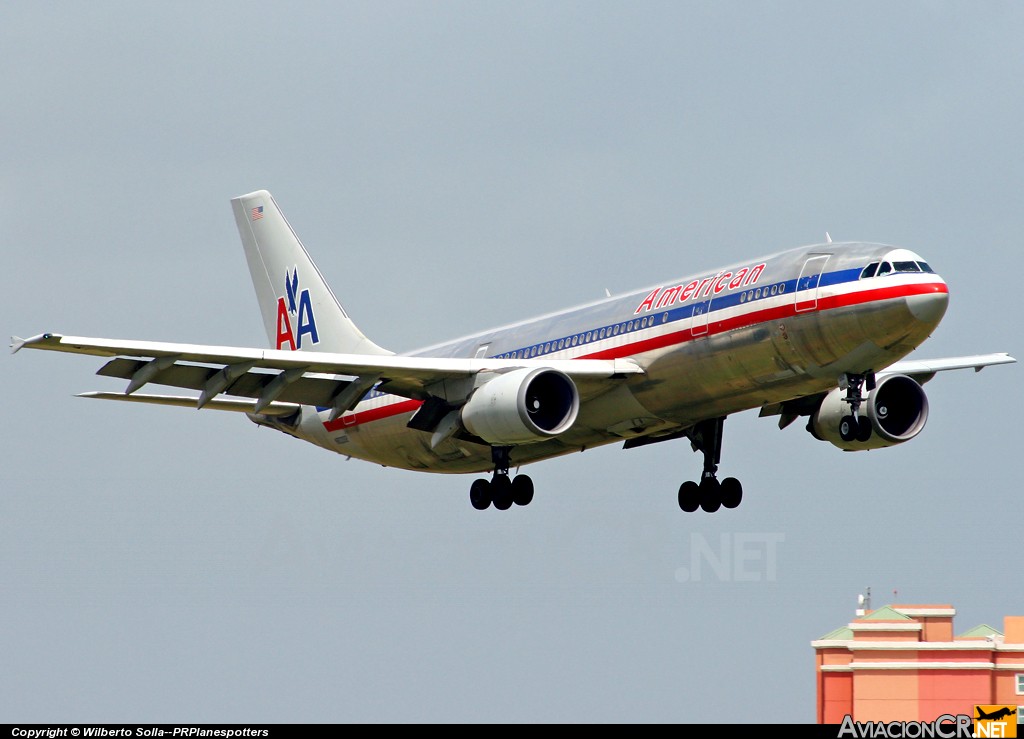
522	406
897	409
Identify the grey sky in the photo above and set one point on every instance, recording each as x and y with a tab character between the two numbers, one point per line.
452	166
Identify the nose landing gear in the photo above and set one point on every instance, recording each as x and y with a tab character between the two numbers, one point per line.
853	427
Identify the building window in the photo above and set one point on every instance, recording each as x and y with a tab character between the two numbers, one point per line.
1020	683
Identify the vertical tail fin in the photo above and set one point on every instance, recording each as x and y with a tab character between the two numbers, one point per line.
299	310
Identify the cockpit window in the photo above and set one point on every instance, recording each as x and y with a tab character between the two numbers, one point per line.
869	271
907	267
925	268
884	269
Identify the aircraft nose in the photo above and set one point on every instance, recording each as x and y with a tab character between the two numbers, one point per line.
929	307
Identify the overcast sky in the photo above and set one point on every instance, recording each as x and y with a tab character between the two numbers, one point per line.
453	166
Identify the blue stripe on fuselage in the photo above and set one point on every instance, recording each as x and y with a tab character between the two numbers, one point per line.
663	317
681	313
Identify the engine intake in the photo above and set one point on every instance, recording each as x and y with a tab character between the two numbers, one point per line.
897	409
522	406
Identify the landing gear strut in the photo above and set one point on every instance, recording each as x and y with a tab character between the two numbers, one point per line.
500	489
710	494
853	427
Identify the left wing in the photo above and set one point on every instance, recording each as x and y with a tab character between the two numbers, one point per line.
280	380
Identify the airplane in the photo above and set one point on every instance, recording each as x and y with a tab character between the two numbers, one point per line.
819	331
1003	712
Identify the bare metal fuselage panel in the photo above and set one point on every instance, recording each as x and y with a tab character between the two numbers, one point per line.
707	351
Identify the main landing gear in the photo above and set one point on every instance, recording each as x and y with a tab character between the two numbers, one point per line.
710	494
853	427
500	489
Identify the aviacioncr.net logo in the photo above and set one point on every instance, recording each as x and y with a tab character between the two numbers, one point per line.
946	726
995	721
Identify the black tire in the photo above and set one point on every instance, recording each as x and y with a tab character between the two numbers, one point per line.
848	428
689	496
480	494
710	495
522	490
863	429
501	492
732	492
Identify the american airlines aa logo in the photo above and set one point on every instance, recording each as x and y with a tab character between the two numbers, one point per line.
995	721
295	305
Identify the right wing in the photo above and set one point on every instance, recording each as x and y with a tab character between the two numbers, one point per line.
923	370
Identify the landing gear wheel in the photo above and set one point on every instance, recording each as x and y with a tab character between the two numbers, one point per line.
480	494
522	490
732	492
710	495
855	427
501	492
848	428
689	496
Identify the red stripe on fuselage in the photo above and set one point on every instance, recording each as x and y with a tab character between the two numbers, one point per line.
681	337
373	414
774	313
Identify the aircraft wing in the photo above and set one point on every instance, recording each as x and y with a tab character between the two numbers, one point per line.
274	377
923	370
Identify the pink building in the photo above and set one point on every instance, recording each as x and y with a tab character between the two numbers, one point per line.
903	663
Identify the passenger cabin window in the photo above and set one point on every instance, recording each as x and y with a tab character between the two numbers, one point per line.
906	267
884	269
869	271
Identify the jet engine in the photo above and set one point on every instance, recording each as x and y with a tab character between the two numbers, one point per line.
897	409
522	406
